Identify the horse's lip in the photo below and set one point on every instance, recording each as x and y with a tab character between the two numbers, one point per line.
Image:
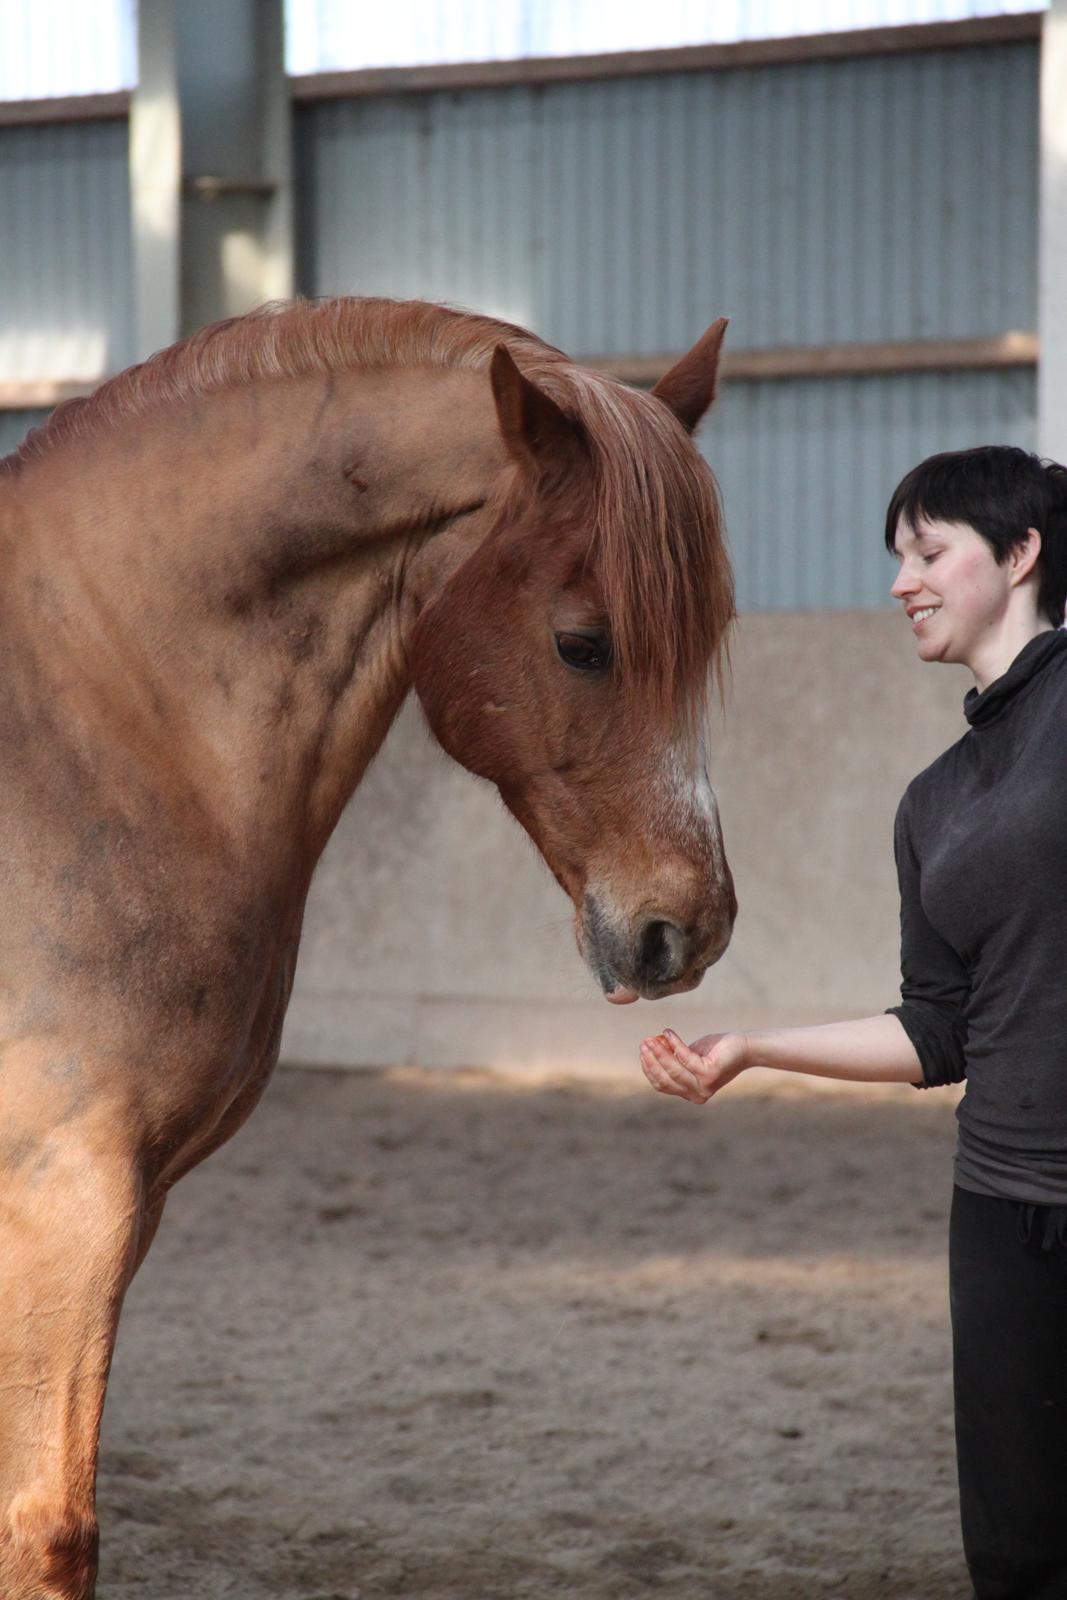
621	997
664	991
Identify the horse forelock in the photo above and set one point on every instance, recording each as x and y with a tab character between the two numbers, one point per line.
658	551
656	540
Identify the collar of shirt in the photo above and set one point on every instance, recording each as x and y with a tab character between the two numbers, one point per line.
1031	660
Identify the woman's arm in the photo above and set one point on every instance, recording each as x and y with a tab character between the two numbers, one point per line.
921	1041
934	983
872	1050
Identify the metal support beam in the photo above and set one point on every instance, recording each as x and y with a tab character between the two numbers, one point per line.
210	165
1052	233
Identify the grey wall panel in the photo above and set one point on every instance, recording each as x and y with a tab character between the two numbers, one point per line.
858	200
15	425
888	198
807	467
333	34
65	281
66	48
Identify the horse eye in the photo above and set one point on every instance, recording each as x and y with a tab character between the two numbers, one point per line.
578	650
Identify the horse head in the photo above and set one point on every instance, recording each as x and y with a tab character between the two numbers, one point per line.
567	660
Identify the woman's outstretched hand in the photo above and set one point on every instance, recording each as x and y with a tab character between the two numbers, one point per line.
693	1071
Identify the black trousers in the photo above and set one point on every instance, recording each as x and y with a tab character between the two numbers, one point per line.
1008	1289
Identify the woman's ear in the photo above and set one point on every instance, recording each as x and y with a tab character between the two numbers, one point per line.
1025	555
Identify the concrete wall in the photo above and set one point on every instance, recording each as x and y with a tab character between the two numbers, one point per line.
435	935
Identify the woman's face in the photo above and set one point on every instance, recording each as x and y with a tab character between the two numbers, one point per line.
955	594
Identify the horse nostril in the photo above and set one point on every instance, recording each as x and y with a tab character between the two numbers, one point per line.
661	953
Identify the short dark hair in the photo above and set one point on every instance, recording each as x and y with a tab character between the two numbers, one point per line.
999	491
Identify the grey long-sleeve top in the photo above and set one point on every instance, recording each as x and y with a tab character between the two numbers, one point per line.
981	848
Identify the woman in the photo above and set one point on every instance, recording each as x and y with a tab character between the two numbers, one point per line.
981	850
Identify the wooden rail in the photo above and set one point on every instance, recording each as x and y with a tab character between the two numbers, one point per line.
41	394
65	108
1017	349
842	360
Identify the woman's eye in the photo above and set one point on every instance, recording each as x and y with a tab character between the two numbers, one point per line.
930	557
578	650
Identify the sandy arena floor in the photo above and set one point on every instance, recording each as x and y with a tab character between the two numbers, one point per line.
437	1336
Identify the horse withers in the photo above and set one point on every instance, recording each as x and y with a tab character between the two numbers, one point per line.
222	574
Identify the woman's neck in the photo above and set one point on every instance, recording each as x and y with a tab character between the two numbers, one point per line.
992	657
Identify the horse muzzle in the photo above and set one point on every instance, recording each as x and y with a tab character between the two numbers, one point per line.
655	957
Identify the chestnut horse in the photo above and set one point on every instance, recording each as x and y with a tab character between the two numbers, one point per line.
222	574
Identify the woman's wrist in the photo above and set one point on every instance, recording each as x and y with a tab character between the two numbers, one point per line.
748	1051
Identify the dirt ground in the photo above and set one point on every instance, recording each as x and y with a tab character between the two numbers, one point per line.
429	1335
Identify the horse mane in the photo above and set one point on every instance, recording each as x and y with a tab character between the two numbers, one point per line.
657	542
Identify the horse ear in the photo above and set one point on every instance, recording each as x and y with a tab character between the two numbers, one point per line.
536	431
689	387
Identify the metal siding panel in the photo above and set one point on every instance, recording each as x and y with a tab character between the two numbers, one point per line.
329	35
15	425
807	467
65	249
63	47
872	199
66	47
877	199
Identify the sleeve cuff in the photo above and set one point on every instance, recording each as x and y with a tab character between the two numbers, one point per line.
938	1042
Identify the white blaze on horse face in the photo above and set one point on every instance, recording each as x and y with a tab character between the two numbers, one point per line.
690	799
690	823
691	828
657	931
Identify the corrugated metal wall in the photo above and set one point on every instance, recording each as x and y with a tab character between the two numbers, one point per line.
70	47
806	469
66	47
329	34
66	303
881	198
15	425
889	198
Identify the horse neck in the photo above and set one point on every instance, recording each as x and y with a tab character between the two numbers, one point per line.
229	588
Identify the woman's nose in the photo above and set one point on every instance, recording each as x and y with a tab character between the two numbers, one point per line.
904	583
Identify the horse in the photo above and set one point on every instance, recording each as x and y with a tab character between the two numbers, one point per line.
223	572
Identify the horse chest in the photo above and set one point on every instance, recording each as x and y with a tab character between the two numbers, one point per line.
228	1073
